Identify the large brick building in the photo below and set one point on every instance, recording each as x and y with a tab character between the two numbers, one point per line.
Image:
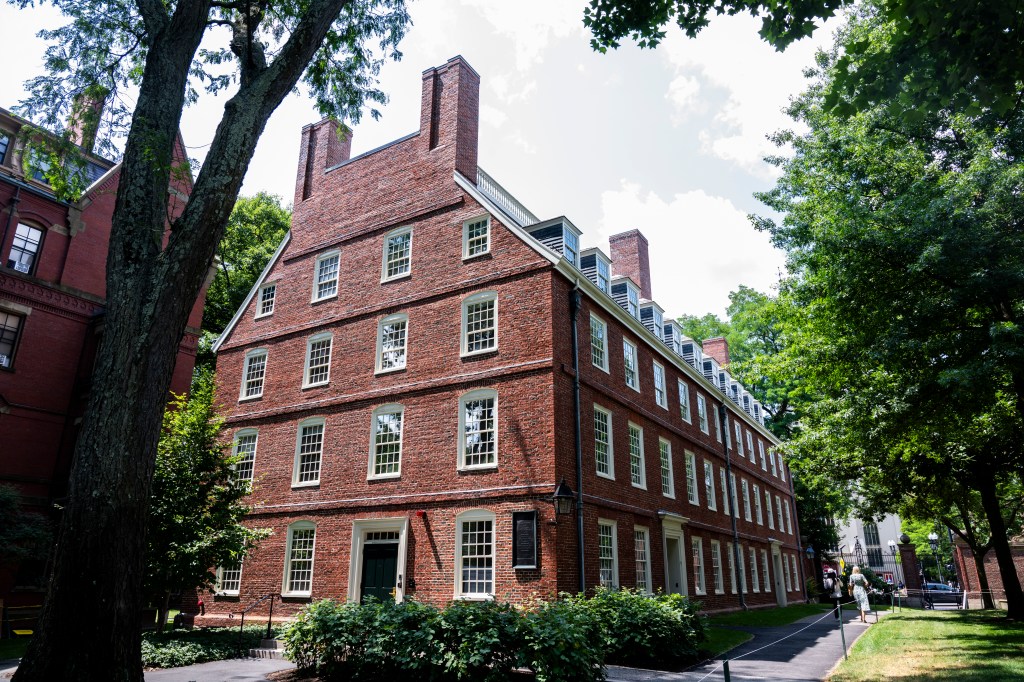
52	294
401	385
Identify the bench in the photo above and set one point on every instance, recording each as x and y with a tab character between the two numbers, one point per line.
20	621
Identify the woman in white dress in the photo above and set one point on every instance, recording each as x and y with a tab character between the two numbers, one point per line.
859	590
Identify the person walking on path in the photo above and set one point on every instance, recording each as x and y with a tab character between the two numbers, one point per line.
834	589
859	591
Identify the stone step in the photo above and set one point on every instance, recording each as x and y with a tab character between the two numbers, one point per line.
269	648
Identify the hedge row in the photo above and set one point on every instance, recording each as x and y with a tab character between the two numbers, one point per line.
568	639
177	648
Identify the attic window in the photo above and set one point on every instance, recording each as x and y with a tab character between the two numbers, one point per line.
604	279
571	247
632	301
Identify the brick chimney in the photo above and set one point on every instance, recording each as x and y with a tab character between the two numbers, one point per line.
718	348
324	145
84	120
630	259
450	113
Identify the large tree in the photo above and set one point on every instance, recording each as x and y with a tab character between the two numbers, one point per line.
262	49
905	244
935	53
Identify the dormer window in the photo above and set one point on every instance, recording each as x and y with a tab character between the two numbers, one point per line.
604	276
632	301
571	249
627	295
653	317
560	236
598	269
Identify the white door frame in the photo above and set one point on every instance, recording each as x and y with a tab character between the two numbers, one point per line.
781	597
672	527
360	527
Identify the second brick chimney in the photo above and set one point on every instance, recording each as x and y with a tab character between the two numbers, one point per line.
324	145
630	259
450	113
718	348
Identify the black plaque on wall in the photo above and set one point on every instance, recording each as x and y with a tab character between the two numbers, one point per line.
524	539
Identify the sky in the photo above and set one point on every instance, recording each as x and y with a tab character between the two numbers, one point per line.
669	141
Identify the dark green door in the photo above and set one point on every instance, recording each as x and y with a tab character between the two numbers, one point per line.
379	564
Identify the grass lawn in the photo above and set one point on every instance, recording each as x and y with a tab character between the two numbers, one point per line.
937	646
13	648
721	640
769	617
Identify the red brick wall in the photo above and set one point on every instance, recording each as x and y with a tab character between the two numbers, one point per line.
965	561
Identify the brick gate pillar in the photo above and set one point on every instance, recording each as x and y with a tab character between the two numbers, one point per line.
911	569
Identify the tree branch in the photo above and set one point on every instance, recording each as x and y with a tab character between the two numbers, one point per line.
154	15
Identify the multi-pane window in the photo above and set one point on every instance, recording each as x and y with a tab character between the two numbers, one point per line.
633	302
24	248
732	567
476	237
571	247
636	456
746	499
309	449
771	459
607	554
702	415
754	582
478	429
697	547
789	519
785	573
318	360
386	450
642	544
5	142
298	569
245	452
743	568
253	374
739	438
768	508
718	428
691	478
725	490
758	516
392	340
229	579
684	401
760	449
660	390
604	277
782	469
265	306
750	448
326	282
603	455
778	507
716	566
665	453
476	555
480	323
794	571
599	343
734	492
709	485
764	571
629	358
397	254
10	327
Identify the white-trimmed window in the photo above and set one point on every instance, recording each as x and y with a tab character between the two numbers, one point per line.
604	276
325	276
725	491
318	360
386	441
309	450
642	550
782	469
754	582
739	438
298	559
771	459
746	499
758	515
397	259
478	429
637	475
598	342
697	547
245	451
731	559
768	508
265	305
480	323
718	427
253	373
778	507
691	478
392	342
633	301
629	358
571	247
743	570
668	488
604	458
760	449
474	547
684	401
764	571
795	572
716	566
785	573
789	519
709	485
702	414
660	389
750	447
476	237
229	579
607	553
24	248
10	329
735	492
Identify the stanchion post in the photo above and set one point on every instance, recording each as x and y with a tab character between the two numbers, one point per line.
842	634
725	669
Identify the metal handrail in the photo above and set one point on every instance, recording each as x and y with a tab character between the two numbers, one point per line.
249	608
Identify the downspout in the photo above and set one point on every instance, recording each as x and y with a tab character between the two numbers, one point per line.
575	301
10	214
723	418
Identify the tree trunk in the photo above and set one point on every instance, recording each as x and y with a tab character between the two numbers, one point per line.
161	613
979	565
1001	546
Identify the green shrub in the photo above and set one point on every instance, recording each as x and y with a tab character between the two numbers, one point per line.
563	642
176	648
647	630
479	641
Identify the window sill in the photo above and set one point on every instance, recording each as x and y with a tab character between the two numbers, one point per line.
296	595
610	477
482	254
260	317
635	388
320	384
306	484
603	369
641	486
479	467
391	370
478	353
688	421
384	477
396	278
321	300
474	597
246	399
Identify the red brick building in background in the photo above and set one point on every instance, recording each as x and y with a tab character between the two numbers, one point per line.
52	294
401	386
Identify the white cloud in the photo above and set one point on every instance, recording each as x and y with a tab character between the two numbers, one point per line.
530	24
492	116
684	94
701	246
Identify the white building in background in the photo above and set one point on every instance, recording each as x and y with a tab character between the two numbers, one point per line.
870	540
